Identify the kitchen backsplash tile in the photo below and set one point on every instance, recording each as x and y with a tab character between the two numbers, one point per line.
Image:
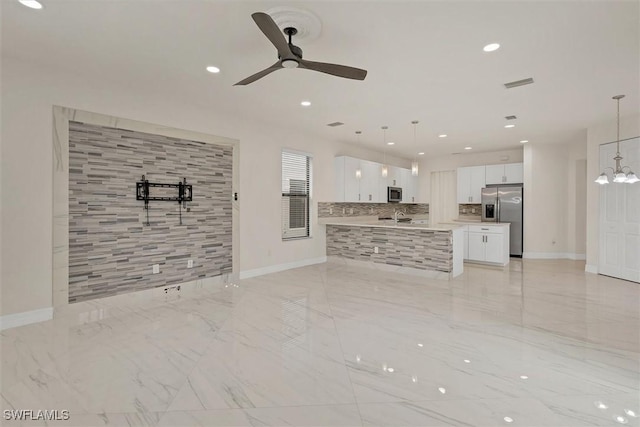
337	209
470	211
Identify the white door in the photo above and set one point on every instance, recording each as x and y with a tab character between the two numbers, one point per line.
476	247
494	174
464	179
478	181
514	173
351	181
494	251
369	183
619	254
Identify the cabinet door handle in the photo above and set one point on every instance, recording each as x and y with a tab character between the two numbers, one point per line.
358	197
369	197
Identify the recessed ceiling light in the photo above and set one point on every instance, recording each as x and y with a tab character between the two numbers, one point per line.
389	369
524	377
508	419
509	126
467	148
442	390
524	141
391	143
305	103
213	69
420	344
421	153
491	47
33	4
467	361
442	135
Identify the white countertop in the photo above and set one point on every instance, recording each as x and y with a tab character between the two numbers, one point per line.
368	221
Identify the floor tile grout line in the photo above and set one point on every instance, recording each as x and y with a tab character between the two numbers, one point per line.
355	399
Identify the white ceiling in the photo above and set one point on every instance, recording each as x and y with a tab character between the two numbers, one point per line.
424	58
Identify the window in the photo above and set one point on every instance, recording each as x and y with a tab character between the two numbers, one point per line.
296	172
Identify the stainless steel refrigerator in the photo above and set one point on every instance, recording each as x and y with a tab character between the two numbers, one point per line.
503	203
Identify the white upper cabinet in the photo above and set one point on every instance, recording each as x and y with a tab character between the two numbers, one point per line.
362	181
510	173
370	181
347	183
471	180
409	184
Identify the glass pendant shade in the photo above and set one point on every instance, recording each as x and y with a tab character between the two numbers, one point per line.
620	177
385	171
358	173
632	178
602	179
414	168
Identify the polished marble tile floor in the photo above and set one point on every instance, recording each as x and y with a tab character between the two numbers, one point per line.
540	343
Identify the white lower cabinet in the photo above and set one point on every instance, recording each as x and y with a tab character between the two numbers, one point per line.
488	244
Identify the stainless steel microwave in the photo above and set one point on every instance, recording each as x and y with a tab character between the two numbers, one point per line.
394	194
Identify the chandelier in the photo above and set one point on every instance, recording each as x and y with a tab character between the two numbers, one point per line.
618	173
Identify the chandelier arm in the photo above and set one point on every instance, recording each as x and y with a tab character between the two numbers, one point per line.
609	167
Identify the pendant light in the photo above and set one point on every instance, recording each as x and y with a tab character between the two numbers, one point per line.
385	168
358	170
618	173
414	163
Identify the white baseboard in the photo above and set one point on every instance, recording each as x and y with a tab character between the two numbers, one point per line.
25	318
554	255
281	267
591	268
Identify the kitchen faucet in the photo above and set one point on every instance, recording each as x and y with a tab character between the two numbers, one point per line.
395	216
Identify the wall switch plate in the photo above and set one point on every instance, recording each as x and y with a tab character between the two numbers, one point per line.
344	211
351	211
156	268
190	263
375	249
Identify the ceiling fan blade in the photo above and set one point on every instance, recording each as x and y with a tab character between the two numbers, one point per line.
334	69
273	33
259	74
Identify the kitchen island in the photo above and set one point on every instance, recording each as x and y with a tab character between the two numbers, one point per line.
435	252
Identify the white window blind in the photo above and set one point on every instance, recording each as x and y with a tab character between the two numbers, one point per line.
296	171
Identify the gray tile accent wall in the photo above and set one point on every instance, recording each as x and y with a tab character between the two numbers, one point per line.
420	249
343	209
111	250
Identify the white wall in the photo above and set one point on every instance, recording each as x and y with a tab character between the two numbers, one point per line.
455	161
28	95
554	216
596	135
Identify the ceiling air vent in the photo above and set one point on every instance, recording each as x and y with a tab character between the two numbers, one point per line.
510	117
335	124
518	83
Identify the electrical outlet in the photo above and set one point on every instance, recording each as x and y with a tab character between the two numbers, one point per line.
351	211
375	249
156	268
190	263
330	211
344	211
473	210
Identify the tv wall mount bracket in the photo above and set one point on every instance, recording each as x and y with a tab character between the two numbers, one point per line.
184	190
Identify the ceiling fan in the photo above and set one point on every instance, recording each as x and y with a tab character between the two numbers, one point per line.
290	56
